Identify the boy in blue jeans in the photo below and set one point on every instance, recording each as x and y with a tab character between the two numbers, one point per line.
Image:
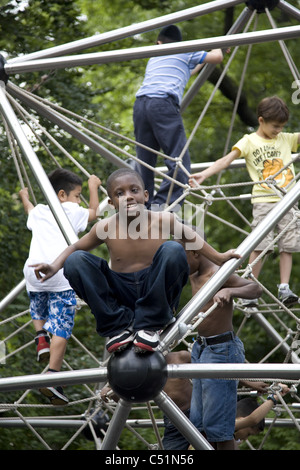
156	113
213	403
52	304
134	298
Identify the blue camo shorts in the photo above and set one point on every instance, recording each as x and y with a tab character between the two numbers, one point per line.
56	308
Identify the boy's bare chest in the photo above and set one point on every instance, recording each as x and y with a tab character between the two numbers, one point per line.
129	255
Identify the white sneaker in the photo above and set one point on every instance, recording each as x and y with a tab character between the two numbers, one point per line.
146	340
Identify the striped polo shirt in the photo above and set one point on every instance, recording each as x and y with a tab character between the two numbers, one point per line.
168	75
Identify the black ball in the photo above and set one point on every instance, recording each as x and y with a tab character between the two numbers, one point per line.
137	377
260	5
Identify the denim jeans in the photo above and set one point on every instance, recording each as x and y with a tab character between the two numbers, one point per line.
213	405
158	125
140	300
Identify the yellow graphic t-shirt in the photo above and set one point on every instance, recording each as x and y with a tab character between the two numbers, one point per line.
265	157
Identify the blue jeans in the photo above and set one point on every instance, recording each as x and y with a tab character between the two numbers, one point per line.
213	405
158	125
140	300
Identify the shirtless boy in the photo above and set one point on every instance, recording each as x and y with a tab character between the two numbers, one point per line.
137	295
213	404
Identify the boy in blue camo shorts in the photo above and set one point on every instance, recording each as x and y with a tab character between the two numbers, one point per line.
53	303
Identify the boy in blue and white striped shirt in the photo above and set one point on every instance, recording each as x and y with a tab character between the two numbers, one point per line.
156	114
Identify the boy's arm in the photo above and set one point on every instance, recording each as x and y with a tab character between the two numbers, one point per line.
218	258
259	413
215	56
216	167
88	242
237	286
193	241
94	182
24	196
255	417
197	68
259	386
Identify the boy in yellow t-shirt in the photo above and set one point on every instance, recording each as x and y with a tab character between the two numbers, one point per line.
266	151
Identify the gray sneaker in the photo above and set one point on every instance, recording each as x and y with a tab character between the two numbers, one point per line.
247	303
286	296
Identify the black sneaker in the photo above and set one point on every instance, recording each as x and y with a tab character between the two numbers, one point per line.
120	341
55	395
146	340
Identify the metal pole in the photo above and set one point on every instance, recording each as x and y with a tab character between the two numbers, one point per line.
76	424
127	31
41	423
12	295
58	119
116	425
36	168
272	333
217	280
154	51
289	9
59	378
225	371
181	422
235	371
68	423
200	166
282	422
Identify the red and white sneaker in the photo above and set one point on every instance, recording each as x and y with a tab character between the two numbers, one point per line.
42	347
120	341
146	340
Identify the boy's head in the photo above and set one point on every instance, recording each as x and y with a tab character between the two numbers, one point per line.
244	408
66	184
120	173
168	34
194	258
127	185
273	109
